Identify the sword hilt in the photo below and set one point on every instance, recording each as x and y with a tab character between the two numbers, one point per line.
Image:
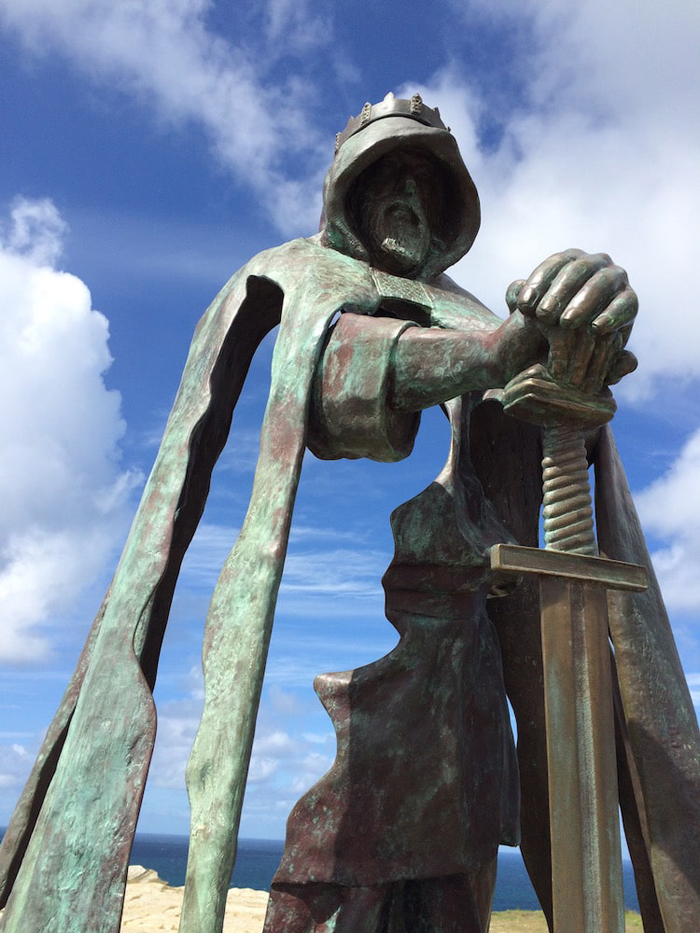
564	412
582	772
568	510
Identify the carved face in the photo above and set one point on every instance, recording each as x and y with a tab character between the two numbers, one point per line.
392	206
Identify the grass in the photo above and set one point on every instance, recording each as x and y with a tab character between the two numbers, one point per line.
532	921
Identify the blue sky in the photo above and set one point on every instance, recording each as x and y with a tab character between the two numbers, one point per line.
148	150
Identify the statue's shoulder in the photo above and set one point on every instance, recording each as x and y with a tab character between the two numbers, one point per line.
296	261
303	269
276	259
297	254
455	307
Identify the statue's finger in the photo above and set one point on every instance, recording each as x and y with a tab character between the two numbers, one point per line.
538	282
624	335
623	364
582	348
512	293
605	350
619	314
567	283
598	292
561	343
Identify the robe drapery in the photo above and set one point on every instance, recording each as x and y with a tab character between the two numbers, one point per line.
66	851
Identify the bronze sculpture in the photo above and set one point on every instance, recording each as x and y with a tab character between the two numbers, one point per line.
400	208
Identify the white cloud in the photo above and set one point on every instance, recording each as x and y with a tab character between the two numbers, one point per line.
166	54
670	509
206	554
63	494
310	570
603	155
694	684
177	726
283	759
37	231
296	25
333	571
602	150
15	762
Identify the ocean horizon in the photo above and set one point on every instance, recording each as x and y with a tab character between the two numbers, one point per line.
257	862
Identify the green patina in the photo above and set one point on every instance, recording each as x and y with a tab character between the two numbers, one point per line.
408	338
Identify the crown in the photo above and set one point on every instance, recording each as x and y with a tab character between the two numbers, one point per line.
414	109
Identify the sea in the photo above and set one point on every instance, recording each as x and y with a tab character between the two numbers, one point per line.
257	862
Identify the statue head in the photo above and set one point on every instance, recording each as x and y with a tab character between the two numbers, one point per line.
398	194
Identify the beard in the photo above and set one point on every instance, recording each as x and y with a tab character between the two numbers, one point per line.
402	237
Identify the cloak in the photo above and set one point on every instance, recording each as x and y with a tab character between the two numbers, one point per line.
65	854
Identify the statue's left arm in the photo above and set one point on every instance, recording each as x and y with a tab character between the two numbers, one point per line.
575	312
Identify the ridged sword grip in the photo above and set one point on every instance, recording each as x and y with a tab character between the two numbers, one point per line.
568	511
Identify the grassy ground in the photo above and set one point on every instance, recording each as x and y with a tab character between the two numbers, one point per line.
532	921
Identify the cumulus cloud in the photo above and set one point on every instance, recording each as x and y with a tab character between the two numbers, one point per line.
694	684
670	508
62	491
284	759
15	762
168	56
599	151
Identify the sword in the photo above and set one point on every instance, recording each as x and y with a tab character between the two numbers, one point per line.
582	769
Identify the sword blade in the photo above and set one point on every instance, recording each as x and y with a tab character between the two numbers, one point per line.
584	818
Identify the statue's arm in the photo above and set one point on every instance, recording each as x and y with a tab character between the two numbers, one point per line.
432	365
350	412
377	373
574	313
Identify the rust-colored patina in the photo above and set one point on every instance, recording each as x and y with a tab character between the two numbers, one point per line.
402	834
587	894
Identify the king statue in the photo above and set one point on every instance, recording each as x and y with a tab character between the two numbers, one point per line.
402	834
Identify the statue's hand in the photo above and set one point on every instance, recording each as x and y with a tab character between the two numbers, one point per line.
583	305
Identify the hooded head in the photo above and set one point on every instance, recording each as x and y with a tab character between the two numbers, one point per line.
398	194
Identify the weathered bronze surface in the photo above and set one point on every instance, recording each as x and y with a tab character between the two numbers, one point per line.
613	574
587	892
402	833
583	798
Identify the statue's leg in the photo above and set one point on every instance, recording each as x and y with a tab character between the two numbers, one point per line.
452	904
423	785
322	908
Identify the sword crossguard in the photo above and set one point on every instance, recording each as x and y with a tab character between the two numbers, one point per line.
564	413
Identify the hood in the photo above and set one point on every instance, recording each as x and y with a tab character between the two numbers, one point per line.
460	223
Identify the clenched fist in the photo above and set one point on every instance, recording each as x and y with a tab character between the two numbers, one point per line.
583	305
